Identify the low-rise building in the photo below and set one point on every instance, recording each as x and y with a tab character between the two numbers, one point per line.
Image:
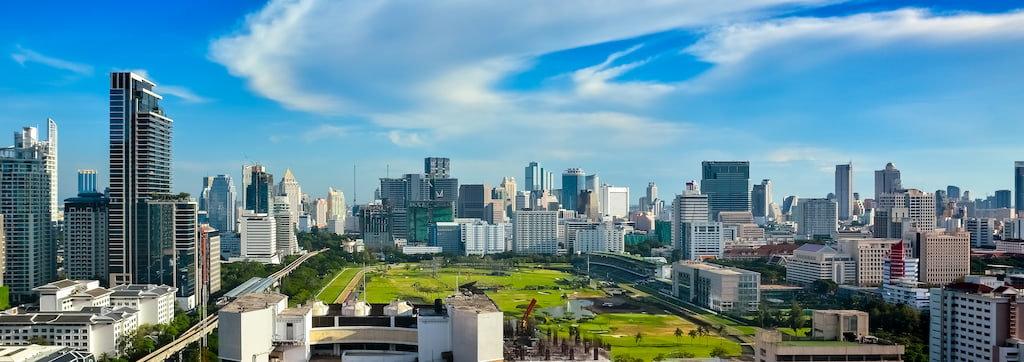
813	262
93	329
716	287
155	303
836	335
71	295
37	353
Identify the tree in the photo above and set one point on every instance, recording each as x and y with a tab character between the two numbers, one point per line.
638	337
825	286
693	334
719	351
796	318
678	334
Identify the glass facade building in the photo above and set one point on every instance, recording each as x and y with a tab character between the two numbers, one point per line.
727	184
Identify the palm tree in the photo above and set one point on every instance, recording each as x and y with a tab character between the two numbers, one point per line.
679	334
639	336
693	334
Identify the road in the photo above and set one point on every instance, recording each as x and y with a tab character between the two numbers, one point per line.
208	324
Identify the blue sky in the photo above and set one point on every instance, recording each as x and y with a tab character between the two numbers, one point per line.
635	91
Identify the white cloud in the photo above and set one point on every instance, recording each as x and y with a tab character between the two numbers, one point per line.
23	56
183	93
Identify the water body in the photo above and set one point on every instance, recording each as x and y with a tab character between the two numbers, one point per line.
575	306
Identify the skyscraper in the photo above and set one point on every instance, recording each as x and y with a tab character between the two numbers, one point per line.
511	190
437	167
336	211
896	212
85	231
1003	199
25	203
573	181
953	192
289	188
887	180
1018	186
727	184
535	232
818	217
218	200
532	179
165	246
256	188
760	198
692	232
844	190
140	164
51	167
472	200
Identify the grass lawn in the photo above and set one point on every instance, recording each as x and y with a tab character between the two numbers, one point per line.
511	290
333	290
658	335
789	331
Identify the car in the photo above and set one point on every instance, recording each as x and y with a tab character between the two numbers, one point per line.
607	304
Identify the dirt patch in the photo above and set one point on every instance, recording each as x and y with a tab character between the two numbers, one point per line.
616	304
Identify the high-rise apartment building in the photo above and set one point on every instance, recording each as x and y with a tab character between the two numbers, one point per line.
727	184
51	167
897	212
481	238
977	320
209	259
85	231
606	236
336	211
25	203
887	180
870	255
844	190
166	246
286	240
760	198
258	238
574	180
817	217
692	231
140	167
535	232
218	200
982	230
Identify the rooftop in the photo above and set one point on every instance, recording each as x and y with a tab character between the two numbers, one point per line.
253	301
475	302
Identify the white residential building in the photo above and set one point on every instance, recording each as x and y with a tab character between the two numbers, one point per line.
284	228
605	237
481	238
982	232
94	329
155	303
702	239
535	232
614	201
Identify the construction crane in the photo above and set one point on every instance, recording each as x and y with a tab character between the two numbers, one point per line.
529	310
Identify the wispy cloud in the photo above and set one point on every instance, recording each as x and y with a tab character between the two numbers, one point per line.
183	93
23	56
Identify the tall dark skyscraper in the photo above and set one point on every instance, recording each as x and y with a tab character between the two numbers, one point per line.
727	184
844	190
573	181
533	177
140	164
887	180
1018	185
218	200
953	192
1003	199
257	186
760	197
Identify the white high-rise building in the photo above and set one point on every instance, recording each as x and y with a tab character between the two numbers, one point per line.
26	204
692	232
606	236
614	201
336	211
289	187
896	212
535	232
817	217
287	242
481	238
259	238
982	232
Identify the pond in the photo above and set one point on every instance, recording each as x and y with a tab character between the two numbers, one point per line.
574	306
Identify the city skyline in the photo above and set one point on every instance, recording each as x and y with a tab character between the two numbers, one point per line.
676	89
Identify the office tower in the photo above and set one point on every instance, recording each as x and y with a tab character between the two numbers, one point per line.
692	232
760	198
887	180
813	262
218	200
532	178
844	190
614	201
511	191
437	167
1002	199
1018	186
257	186
166	245
287	243
977	320
209	247
85	231
140	166
51	167
472	200
336	211
573	181
982	231
547	180
945	255
423	214
320	212
481	238
953	192
395	194
652	191
258	237
940	202
535	232
289	187
895	212
870	255
375	226
593	182
25	205
727	184
788	203
818	217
